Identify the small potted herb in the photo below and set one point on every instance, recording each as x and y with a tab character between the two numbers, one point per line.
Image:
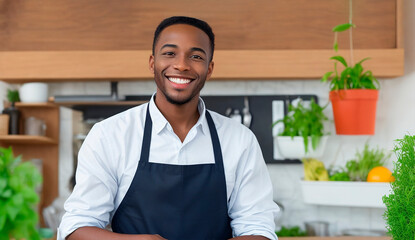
303	134
400	210
357	169
18	182
353	91
12	111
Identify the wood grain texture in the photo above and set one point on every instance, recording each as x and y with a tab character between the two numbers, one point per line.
238	24
229	64
26	139
399	24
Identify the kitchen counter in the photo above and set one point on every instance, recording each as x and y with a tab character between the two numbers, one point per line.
335	238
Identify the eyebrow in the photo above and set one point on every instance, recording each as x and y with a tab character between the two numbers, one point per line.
192	49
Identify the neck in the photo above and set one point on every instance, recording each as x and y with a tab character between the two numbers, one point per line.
181	117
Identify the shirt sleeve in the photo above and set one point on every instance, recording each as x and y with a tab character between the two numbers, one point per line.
92	199
251	205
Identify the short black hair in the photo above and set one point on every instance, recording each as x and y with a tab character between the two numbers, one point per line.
202	25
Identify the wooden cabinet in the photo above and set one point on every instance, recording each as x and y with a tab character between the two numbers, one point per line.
45	147
271	39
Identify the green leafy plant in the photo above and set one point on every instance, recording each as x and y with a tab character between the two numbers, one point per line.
352	76
18	181
305	122
291	232
13	96
340	175
400	209
359	167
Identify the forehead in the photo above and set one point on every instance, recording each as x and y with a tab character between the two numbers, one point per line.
183	35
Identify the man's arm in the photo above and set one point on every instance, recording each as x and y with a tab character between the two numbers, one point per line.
92	199
88	233
251	205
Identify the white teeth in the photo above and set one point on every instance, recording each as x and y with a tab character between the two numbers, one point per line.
179	80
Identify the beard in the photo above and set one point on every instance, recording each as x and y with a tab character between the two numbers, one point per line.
160	82
177	102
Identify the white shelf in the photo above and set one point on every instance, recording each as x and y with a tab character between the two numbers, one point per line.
351	194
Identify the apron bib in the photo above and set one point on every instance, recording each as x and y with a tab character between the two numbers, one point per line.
178	202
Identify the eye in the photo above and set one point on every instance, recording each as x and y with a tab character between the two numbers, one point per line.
195	56
168	54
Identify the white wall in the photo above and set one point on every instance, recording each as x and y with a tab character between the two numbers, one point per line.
395	117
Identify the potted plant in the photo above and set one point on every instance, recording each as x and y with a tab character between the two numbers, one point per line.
358	168
18	181
354	91
400	211
303	133
12	111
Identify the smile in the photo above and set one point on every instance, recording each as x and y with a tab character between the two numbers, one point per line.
179	80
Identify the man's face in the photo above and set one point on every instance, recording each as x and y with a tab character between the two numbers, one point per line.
180	63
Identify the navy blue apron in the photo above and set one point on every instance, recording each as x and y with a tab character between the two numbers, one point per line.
178	202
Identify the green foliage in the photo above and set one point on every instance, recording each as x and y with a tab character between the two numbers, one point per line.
359	168
343	27
341	175
400	207
305	122
13	96
351	77
291	232
18	181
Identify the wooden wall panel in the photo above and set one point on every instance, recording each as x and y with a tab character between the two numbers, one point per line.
229	64
239	24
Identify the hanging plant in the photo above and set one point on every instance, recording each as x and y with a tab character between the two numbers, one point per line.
354	91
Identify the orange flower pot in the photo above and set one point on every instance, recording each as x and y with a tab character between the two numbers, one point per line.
354	111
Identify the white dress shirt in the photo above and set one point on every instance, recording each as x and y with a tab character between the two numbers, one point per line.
109	156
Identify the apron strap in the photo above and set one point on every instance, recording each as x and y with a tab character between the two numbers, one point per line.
145	147
215	141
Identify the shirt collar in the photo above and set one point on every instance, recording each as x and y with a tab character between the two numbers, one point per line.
160	122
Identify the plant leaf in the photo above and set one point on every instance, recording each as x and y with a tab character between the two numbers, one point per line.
12	211
315	140
343	27
2	220
326	76
364	59
340	59
7	193
336	46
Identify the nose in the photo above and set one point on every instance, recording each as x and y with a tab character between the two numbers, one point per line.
181	64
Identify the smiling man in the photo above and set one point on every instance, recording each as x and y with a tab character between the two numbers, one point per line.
171	169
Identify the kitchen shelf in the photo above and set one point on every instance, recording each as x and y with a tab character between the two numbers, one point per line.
35	105
103	103
27	139
45	148
52	66
351	194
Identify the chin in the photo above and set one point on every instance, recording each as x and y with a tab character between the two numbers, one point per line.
176	101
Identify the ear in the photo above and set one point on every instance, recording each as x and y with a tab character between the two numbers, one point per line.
151	64
210	70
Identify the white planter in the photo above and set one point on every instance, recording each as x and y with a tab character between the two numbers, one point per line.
293	148
34	92
352	194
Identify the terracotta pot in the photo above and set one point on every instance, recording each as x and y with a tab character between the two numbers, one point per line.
354	111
